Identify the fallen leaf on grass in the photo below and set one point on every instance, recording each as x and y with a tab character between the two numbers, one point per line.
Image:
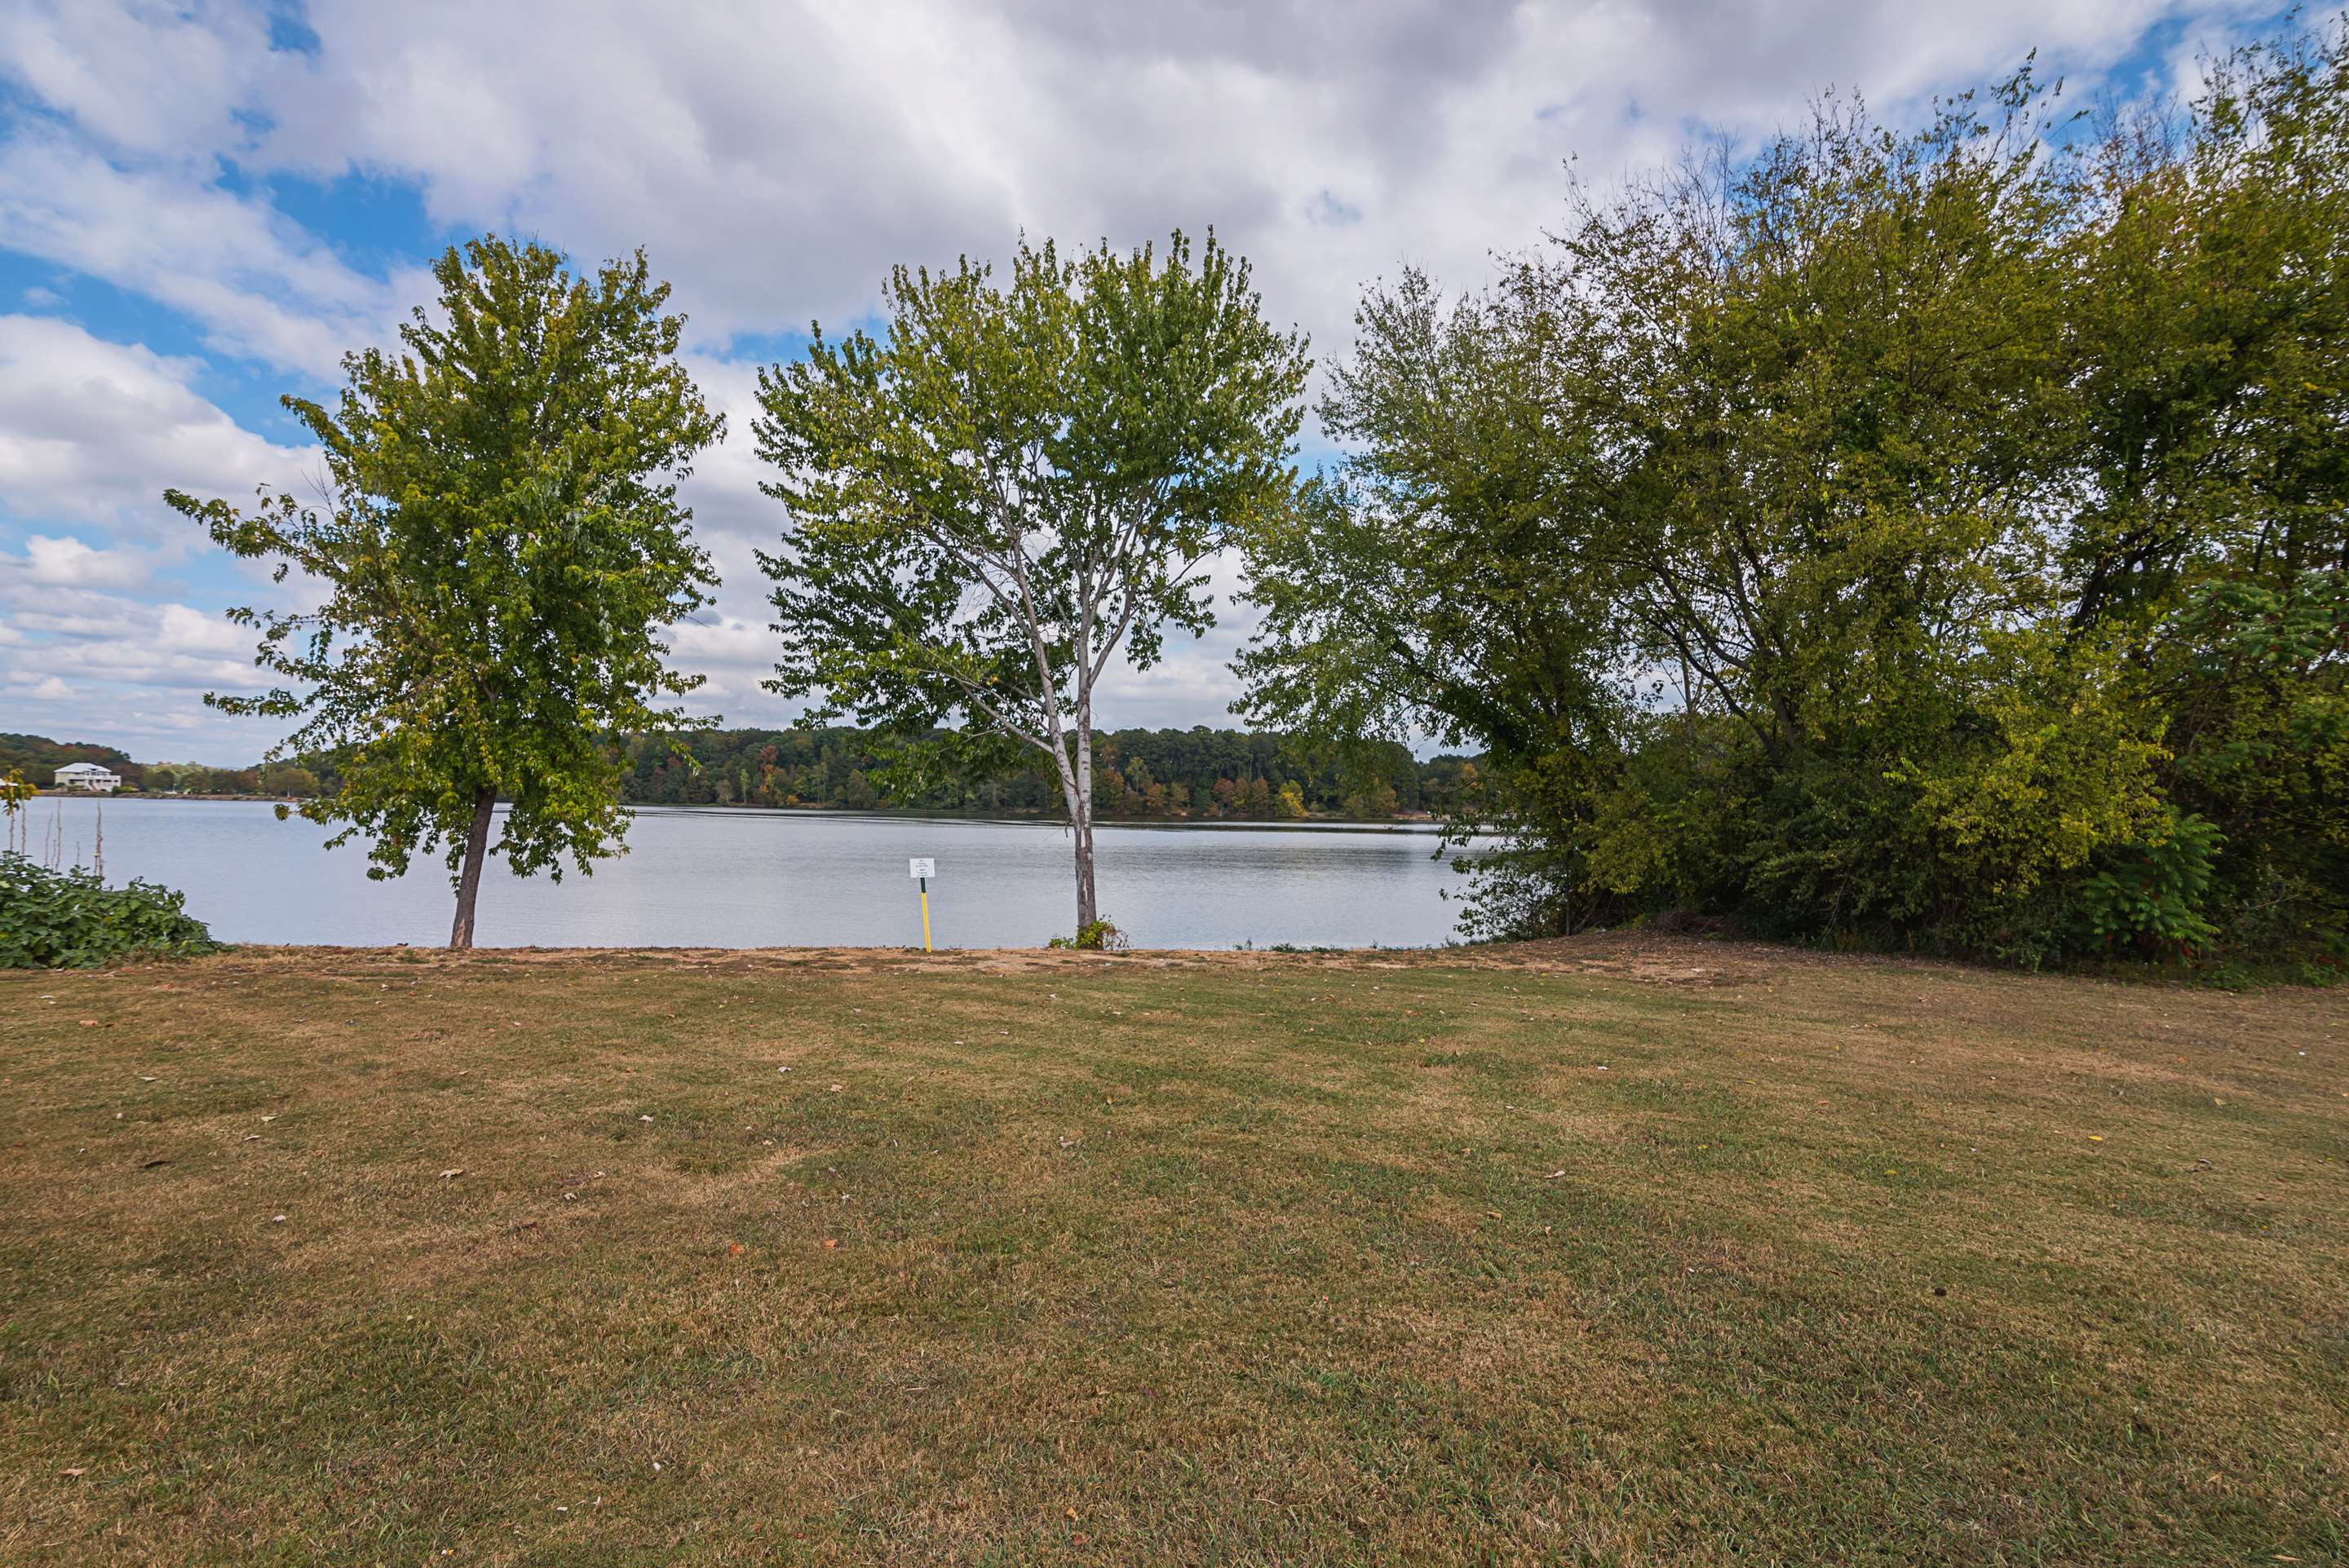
452	1171
1553	1175
154	1163
831	1244
734	1249
75	1472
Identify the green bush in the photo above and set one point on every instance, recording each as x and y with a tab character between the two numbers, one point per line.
2151	903
1097	936
72	920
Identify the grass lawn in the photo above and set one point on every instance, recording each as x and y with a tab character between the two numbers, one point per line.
1619	1251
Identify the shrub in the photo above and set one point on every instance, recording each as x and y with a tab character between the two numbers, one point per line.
1095	936
72	920
2151	903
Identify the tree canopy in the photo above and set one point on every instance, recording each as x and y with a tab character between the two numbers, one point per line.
502	544
1934	538
1017	484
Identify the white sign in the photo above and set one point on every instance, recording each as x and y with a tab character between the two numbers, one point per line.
921	869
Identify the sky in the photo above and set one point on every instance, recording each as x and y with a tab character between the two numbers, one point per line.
203	206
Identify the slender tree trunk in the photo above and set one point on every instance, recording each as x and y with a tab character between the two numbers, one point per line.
469	883
1088	911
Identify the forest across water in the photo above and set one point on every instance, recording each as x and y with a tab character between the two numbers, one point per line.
1139	775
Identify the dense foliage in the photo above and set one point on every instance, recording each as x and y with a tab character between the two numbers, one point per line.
70	919
1136	773
1020	483
1929	539
504	546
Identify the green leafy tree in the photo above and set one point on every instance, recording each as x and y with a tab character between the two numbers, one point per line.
1934	538
1015	486
2212	312
502	546
16	795
1374	802
1769	435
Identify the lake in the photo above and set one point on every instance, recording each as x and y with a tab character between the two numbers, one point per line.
742	878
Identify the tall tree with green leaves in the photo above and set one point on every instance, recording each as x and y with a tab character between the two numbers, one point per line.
1015	486
502	546
1927	538
1712	524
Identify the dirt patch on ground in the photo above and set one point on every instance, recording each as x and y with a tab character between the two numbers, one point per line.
1654	957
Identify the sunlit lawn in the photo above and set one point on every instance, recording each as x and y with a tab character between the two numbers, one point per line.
1616	1253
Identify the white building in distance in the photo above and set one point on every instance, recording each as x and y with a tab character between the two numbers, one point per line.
87	776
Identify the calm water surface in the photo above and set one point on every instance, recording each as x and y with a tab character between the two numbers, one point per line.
771	879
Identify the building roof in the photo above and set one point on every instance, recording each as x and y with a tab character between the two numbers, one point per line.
85	767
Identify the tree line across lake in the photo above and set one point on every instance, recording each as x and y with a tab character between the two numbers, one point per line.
36	758
1932	537
1153	774
1140	774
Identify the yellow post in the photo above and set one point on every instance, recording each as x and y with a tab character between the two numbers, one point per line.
925	914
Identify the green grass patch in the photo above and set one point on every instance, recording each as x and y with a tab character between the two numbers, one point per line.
1628	1252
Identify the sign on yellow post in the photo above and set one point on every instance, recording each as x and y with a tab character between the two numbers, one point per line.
922	868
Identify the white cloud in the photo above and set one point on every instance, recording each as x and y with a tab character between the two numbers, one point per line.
182	629
93	431
103	638
71	563
258	285
777	159
127	671
140	78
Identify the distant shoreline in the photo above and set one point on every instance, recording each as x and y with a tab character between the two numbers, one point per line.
1412	825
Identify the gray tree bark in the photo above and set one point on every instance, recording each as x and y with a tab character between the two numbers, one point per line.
1082	816
468	881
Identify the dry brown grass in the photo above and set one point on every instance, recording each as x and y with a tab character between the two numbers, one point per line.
1622	1250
